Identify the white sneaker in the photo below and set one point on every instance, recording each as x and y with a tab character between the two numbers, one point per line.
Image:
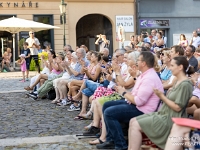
74	108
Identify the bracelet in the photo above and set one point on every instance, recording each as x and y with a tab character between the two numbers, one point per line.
123	94
117	75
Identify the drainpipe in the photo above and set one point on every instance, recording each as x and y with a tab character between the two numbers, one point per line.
137	15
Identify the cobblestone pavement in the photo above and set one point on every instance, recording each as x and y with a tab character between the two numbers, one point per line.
23	117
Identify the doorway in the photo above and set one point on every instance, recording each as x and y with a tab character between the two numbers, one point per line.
89	26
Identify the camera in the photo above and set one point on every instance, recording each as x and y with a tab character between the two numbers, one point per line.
144	34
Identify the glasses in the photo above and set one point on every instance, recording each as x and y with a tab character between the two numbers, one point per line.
31	33
118	55
162	54
139	60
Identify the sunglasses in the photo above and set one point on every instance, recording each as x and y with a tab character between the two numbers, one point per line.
31	33
162	54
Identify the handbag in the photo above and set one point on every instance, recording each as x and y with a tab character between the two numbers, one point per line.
195	139
112	97
51	95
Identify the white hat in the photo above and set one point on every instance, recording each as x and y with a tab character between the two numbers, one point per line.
22	55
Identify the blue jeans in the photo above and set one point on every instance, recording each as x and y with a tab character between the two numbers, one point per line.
91	86
114	113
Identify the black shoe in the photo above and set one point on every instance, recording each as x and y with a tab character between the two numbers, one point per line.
33	96
92	131
106	145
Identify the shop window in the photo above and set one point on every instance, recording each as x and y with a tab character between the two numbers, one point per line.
46	37
6	39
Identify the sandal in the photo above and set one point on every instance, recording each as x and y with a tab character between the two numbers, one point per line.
95	142
55	101
88	116
78	118
28	88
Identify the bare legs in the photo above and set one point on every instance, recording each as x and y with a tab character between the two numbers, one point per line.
85	101
82	86
134	131
96	121
41	76
197	114
23	75
177	131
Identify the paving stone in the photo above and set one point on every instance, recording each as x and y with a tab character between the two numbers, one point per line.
24	117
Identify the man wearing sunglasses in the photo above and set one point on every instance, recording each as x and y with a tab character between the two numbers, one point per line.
33	45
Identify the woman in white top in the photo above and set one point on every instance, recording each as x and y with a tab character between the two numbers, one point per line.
72	59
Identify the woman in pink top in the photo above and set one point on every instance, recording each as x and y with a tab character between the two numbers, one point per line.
92	72
23	66
53	65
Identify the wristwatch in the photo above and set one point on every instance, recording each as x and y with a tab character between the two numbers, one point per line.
134	79
123	94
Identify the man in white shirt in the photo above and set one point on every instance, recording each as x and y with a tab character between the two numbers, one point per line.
195	41
33	45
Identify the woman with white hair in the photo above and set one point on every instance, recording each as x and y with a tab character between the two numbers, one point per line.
66	76
130	59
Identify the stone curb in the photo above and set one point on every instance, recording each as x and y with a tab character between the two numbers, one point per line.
37	140
14	91
15	74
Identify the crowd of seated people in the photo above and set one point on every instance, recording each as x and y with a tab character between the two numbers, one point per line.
137	87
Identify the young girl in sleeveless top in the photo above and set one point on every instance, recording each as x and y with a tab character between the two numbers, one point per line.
23	66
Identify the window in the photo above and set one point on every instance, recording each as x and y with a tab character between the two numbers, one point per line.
46	37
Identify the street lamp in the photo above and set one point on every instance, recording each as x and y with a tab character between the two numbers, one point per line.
63	12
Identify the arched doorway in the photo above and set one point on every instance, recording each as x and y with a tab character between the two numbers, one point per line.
89	26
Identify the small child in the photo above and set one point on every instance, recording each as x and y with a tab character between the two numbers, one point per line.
5	63
23	65
26	51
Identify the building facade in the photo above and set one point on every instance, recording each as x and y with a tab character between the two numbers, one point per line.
84	21
174	17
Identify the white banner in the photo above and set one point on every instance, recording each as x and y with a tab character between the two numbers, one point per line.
126	22
176	38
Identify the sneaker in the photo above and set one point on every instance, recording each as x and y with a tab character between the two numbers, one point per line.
68	102
27	79
73	108
33	96
62	104
22	81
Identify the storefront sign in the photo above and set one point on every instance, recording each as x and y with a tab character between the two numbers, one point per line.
19	5
126	22
150	23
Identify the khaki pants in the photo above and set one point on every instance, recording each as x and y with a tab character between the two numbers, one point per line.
47	86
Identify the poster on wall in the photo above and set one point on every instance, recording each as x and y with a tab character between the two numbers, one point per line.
151	23
176	37
126	22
